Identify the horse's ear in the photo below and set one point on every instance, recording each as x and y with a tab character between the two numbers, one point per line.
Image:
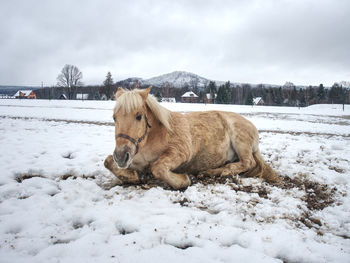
119	92
144	93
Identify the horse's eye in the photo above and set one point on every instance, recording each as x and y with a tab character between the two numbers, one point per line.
114	118
139	117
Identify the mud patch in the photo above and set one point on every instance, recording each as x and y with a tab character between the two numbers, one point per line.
337	169
311	222
317	196
20	178
74	177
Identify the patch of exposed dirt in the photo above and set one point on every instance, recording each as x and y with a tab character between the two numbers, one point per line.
311	222
21	177
317	196
74	177
337	169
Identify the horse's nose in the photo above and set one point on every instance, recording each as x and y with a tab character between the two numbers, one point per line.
122	156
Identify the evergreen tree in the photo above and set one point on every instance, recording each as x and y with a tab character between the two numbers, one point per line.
249	100
158	96
212	90
335	94
228	92
108	86
221	95
224	94
321	92
301	97
277	96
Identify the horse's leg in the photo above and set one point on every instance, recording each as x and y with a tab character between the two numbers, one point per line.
246	162
161	169
125	175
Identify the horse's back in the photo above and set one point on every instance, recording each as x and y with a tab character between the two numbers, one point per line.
218	121
212	134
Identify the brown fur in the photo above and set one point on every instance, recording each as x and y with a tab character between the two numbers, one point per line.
212	142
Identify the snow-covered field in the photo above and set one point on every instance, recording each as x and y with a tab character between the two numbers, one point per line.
55	205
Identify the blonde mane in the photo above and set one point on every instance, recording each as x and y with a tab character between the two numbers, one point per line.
131	100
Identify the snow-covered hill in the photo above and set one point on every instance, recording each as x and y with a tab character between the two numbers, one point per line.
178	79
175	79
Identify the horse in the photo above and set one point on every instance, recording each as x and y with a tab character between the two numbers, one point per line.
174	146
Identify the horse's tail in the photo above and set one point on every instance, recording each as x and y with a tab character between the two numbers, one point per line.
262	170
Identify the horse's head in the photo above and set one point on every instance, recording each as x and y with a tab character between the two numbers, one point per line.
131	124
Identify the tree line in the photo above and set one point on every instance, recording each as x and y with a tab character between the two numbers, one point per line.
287	95
69	82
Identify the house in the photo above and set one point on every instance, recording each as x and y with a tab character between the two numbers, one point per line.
103	97
258	101
190	97
173	100
25	94
209	98
82	96
62	97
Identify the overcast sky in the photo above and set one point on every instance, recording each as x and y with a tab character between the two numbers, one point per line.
268	41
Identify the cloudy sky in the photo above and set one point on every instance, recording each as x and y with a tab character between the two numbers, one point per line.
267	41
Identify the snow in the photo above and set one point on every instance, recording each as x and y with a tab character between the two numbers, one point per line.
55	205
189	94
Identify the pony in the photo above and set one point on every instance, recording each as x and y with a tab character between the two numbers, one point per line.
174	146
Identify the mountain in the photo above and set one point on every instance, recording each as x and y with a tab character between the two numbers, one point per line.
177	79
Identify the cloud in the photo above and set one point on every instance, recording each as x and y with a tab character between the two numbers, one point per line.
305	42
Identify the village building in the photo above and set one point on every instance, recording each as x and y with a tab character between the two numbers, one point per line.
103	97
62	97
209	98
25	94
172	100
258	101
82	96
190	97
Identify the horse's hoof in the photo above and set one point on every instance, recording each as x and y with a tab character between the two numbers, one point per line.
226	173
110	183
108	161
183	184
191	178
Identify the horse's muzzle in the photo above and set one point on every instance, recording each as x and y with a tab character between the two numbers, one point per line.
122	157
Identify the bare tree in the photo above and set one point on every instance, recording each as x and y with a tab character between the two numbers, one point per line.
70	78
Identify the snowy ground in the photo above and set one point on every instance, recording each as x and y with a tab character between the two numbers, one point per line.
54	206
